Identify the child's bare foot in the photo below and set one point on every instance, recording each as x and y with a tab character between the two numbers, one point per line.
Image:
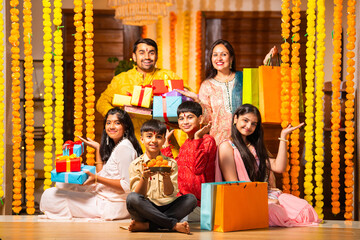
138	226
182	227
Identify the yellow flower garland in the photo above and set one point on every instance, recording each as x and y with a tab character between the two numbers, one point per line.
295	85
48	109
349	111
198	50
2	105
186	47
319	112
309	109
15	96
89	73
173	20
29	108
285	81
335	105
159	62
78	63
58	82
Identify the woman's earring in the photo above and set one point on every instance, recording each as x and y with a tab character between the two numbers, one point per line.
107	140
234	123
230	65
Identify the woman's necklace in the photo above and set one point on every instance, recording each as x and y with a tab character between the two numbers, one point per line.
228	90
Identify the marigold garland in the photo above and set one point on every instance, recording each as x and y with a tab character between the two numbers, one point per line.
144	31
78	63
2	105
89	73
295	86
285	81
198	50
48	109
349	111
15	96
309	103
186	47
173	21
58	82
319	112
159	41
29	108
336	107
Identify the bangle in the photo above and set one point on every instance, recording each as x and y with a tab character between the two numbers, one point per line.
284	140
99	163
95	179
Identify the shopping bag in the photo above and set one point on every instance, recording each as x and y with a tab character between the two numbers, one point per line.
208	197
251	86
241	206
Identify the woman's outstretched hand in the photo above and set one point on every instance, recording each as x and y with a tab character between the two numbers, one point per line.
273	51
289	129
89	142
189	94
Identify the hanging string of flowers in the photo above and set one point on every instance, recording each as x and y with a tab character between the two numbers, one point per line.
198	50
29	108
319	112
58	82
336	107
159	62
47	69
186	47
309	103
349	111
285	81
295	86
144	31
2	105
15	99
173	20
78	63
89	73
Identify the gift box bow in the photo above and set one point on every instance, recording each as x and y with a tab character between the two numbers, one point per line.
69	145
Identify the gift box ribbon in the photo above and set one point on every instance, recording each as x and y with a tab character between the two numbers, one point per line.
69	145
164	109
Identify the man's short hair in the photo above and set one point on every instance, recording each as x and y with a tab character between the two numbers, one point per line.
147	41
190	106
153	125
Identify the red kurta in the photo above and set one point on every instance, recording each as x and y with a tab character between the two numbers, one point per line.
196	164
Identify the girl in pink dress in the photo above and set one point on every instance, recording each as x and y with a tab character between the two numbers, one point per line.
246	158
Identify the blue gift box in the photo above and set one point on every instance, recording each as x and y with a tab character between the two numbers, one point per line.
170	103
71	147
72	177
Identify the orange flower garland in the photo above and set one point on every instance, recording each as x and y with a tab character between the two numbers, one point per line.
48	109
159	62
349	112
186	47
89	73
59	82
285	81
2	105
29	108
295	85
319	112
198	50
309	109
335	105
15	96
144	31
78	63
173	20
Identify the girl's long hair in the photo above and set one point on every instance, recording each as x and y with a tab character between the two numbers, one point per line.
210	70
107	144
255	172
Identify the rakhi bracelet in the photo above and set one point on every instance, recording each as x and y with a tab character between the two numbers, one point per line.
99	163
284	140
95	179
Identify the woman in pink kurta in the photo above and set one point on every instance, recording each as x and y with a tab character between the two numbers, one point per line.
245	158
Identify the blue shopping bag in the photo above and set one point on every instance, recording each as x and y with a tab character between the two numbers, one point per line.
208	197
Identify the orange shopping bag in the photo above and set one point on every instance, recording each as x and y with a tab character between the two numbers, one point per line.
241	206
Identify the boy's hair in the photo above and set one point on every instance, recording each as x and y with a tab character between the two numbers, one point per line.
153	125
190	106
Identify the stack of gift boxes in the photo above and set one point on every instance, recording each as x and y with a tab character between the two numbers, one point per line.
68	167
161	96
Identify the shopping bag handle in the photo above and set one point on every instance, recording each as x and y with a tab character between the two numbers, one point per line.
270	60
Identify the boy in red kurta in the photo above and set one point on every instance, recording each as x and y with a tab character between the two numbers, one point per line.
196	159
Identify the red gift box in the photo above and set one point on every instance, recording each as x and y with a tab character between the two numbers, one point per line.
68	163
164	86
